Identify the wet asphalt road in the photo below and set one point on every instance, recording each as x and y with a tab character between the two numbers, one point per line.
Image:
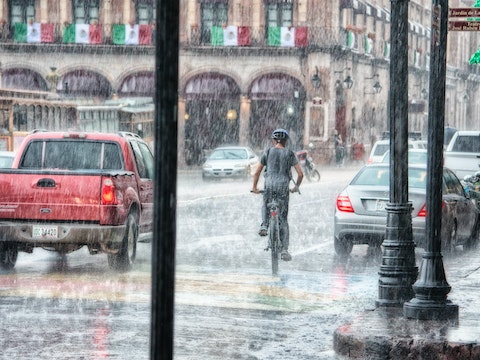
228	306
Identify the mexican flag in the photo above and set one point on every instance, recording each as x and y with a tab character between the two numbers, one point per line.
137	34
82	34
351	40
287	36
230	36
33	33
368	44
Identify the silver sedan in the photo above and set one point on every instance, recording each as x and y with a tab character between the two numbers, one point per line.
360	215
229	162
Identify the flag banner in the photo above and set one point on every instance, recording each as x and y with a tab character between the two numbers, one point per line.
33	33
230	36
69	34
351	40
131	34
83	34
47	33
287	36
386	50
368	44
145	34
95	34
127	34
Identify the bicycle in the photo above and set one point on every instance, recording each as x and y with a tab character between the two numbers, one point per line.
274	241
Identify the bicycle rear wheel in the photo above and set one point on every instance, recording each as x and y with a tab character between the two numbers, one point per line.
274	244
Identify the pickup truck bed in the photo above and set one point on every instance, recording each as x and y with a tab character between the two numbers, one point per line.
70	190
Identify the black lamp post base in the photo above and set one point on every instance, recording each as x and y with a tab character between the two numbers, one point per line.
430	310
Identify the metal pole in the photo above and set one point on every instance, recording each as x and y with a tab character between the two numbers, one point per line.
164	230
398	271
431	288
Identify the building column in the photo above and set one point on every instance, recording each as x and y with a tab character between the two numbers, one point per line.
43	11
63	12
181	118
127	13
244	126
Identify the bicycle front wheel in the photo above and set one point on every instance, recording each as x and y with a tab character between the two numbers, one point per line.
274	245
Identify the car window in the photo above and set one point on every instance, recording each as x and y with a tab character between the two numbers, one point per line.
381	149
417	178
373	176
467	144
452	184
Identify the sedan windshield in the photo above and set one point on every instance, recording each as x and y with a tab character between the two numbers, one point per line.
228	154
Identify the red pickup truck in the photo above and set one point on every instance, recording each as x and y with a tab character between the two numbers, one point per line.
67	190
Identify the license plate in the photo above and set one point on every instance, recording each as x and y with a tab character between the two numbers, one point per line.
45	232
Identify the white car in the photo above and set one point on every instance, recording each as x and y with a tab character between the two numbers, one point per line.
6	159
382	146
226	162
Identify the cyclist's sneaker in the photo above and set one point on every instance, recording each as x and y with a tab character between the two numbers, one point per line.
263	231
286	255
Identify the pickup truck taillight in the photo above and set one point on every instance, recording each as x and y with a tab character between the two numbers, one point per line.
108	192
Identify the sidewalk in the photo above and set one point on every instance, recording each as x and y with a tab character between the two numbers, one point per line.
383	333
386	334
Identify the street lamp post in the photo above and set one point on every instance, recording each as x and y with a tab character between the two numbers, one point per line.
398	271
431	289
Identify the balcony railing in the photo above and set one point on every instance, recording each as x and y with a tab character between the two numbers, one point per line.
85	34
295	37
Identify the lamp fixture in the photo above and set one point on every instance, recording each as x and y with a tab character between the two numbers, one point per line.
316	82
347	82
424	94
376	87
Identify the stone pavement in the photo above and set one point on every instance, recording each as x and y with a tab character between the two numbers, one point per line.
383	333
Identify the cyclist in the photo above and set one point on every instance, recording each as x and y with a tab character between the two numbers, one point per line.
278	161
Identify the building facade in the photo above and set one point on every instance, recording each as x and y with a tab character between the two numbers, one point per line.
314	67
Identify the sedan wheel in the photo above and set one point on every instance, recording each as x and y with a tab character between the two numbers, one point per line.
450	243
472	243
343	246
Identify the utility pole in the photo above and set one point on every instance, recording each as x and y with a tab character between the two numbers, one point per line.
398	271
165	195
431	288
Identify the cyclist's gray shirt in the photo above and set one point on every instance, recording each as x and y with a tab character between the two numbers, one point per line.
278	163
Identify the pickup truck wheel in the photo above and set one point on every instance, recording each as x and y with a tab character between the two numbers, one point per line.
124	259
8	256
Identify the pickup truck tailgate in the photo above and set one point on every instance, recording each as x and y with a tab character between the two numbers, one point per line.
50	196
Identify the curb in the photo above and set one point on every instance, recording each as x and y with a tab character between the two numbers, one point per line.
384	333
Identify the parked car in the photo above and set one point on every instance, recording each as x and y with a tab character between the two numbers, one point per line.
360	215
382	146
415	156
226	162
6	159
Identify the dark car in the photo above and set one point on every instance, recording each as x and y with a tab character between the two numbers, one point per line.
360	215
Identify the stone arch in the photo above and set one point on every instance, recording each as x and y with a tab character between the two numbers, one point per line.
212	105
277	100
23	78
84	83
139	83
